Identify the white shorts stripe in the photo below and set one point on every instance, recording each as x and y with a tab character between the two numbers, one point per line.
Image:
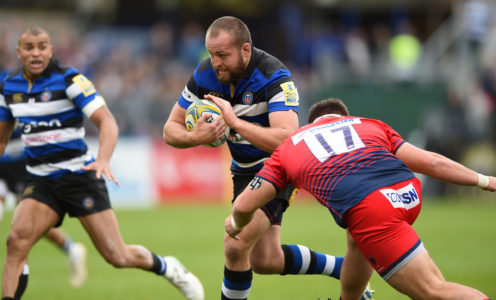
407	259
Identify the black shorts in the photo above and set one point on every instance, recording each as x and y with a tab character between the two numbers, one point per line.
76	194
275	208
15	175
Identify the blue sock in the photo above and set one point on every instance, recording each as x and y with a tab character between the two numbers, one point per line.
299	259
236	284
67	244
159	266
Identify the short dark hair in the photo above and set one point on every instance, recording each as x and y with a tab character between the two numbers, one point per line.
327	106
33	30
233	26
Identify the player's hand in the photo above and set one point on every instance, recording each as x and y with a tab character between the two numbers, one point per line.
101	167
228	114
207	131
230	230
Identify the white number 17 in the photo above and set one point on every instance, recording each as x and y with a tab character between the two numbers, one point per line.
327	140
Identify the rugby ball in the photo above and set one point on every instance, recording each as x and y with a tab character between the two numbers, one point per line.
195	111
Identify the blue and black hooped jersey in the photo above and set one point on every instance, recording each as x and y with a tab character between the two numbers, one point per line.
50	113
267	86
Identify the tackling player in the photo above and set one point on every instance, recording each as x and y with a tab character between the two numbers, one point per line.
362	171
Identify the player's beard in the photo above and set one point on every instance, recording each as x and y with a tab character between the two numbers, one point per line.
233	75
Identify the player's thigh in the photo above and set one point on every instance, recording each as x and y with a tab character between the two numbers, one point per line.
103	229
419	276
31	220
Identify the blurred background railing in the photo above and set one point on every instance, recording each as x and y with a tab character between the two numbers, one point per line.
426	67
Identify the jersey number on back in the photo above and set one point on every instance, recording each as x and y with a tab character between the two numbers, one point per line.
331	139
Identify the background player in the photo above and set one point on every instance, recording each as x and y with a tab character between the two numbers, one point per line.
261	111
360	170
49	101
13	177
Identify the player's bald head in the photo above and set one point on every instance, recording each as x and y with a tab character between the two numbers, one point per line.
232	25
35	31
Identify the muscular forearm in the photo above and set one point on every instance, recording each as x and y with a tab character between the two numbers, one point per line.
264	138
109	133
448	170
177	136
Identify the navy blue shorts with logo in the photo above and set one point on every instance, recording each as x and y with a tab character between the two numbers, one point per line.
275	208
76	194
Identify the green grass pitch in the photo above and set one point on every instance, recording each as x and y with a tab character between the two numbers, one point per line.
461	237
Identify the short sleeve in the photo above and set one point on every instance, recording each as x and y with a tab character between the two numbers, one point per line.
273	171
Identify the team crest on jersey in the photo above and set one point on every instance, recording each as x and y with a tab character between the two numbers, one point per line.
17	97
28	190
290	93
88	202
46	96
248	98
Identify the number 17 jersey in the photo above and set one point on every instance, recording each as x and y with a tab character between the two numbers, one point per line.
339	160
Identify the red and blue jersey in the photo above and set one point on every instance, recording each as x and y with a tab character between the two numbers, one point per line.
339	160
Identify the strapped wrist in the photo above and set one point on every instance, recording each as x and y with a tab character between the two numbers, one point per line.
483	181
235	226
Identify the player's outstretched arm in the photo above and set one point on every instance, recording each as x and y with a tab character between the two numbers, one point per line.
6	128
442	168
255	195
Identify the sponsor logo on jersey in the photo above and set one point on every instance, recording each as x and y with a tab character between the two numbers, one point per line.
290	93
248	98
406	197
27	127
85	84
17	97
215	94
46	96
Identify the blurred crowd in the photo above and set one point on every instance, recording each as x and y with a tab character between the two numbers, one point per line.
141	70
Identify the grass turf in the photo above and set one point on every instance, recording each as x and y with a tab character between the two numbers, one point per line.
460	236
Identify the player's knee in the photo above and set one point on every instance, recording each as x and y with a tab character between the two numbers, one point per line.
16	244
115	259
234	250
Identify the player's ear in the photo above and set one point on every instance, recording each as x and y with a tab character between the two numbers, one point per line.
246	50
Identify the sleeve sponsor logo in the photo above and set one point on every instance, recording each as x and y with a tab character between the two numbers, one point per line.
85	84
290	93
